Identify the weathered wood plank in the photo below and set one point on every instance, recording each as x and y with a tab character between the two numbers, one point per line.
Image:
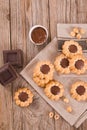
35	116
6	120
18	36
82	17
82	11
57	9
68	11
74	11
37	13
53	13
82	6
18	41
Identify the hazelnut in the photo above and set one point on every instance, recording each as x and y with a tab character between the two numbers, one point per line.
69	109
78	36
72	34
66	100
82	31
75	30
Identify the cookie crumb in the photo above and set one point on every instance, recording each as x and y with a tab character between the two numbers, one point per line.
69	109
66	100
57	116
72	34
51	114
82	31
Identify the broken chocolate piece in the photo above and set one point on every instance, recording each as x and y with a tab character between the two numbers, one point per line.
15	57
7	74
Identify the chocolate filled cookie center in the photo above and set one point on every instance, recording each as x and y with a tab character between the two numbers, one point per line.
39	35
79	64
45	69
73	48
55	90
64	63
23	96
80	90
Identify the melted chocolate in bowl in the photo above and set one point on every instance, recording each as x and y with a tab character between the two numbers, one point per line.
80	90
23	96
45	69
79	64
73	48
64	62
39	35
55	90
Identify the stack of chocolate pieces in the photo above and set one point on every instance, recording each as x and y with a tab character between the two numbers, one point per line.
12	59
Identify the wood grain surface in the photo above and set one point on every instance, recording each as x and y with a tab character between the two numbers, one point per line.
16	18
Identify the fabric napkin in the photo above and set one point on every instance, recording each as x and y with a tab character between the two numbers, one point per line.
63	32
81	119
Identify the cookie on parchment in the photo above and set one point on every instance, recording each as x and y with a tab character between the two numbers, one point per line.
43	73
62	64
23	97
79	90
54	90
41	81
71	48
78	64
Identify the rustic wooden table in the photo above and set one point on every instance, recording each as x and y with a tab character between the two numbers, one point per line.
16	18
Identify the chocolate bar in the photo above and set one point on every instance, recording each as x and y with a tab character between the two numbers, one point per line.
15	57
7	74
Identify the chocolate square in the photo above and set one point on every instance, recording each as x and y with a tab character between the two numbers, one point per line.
7	74
15	57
